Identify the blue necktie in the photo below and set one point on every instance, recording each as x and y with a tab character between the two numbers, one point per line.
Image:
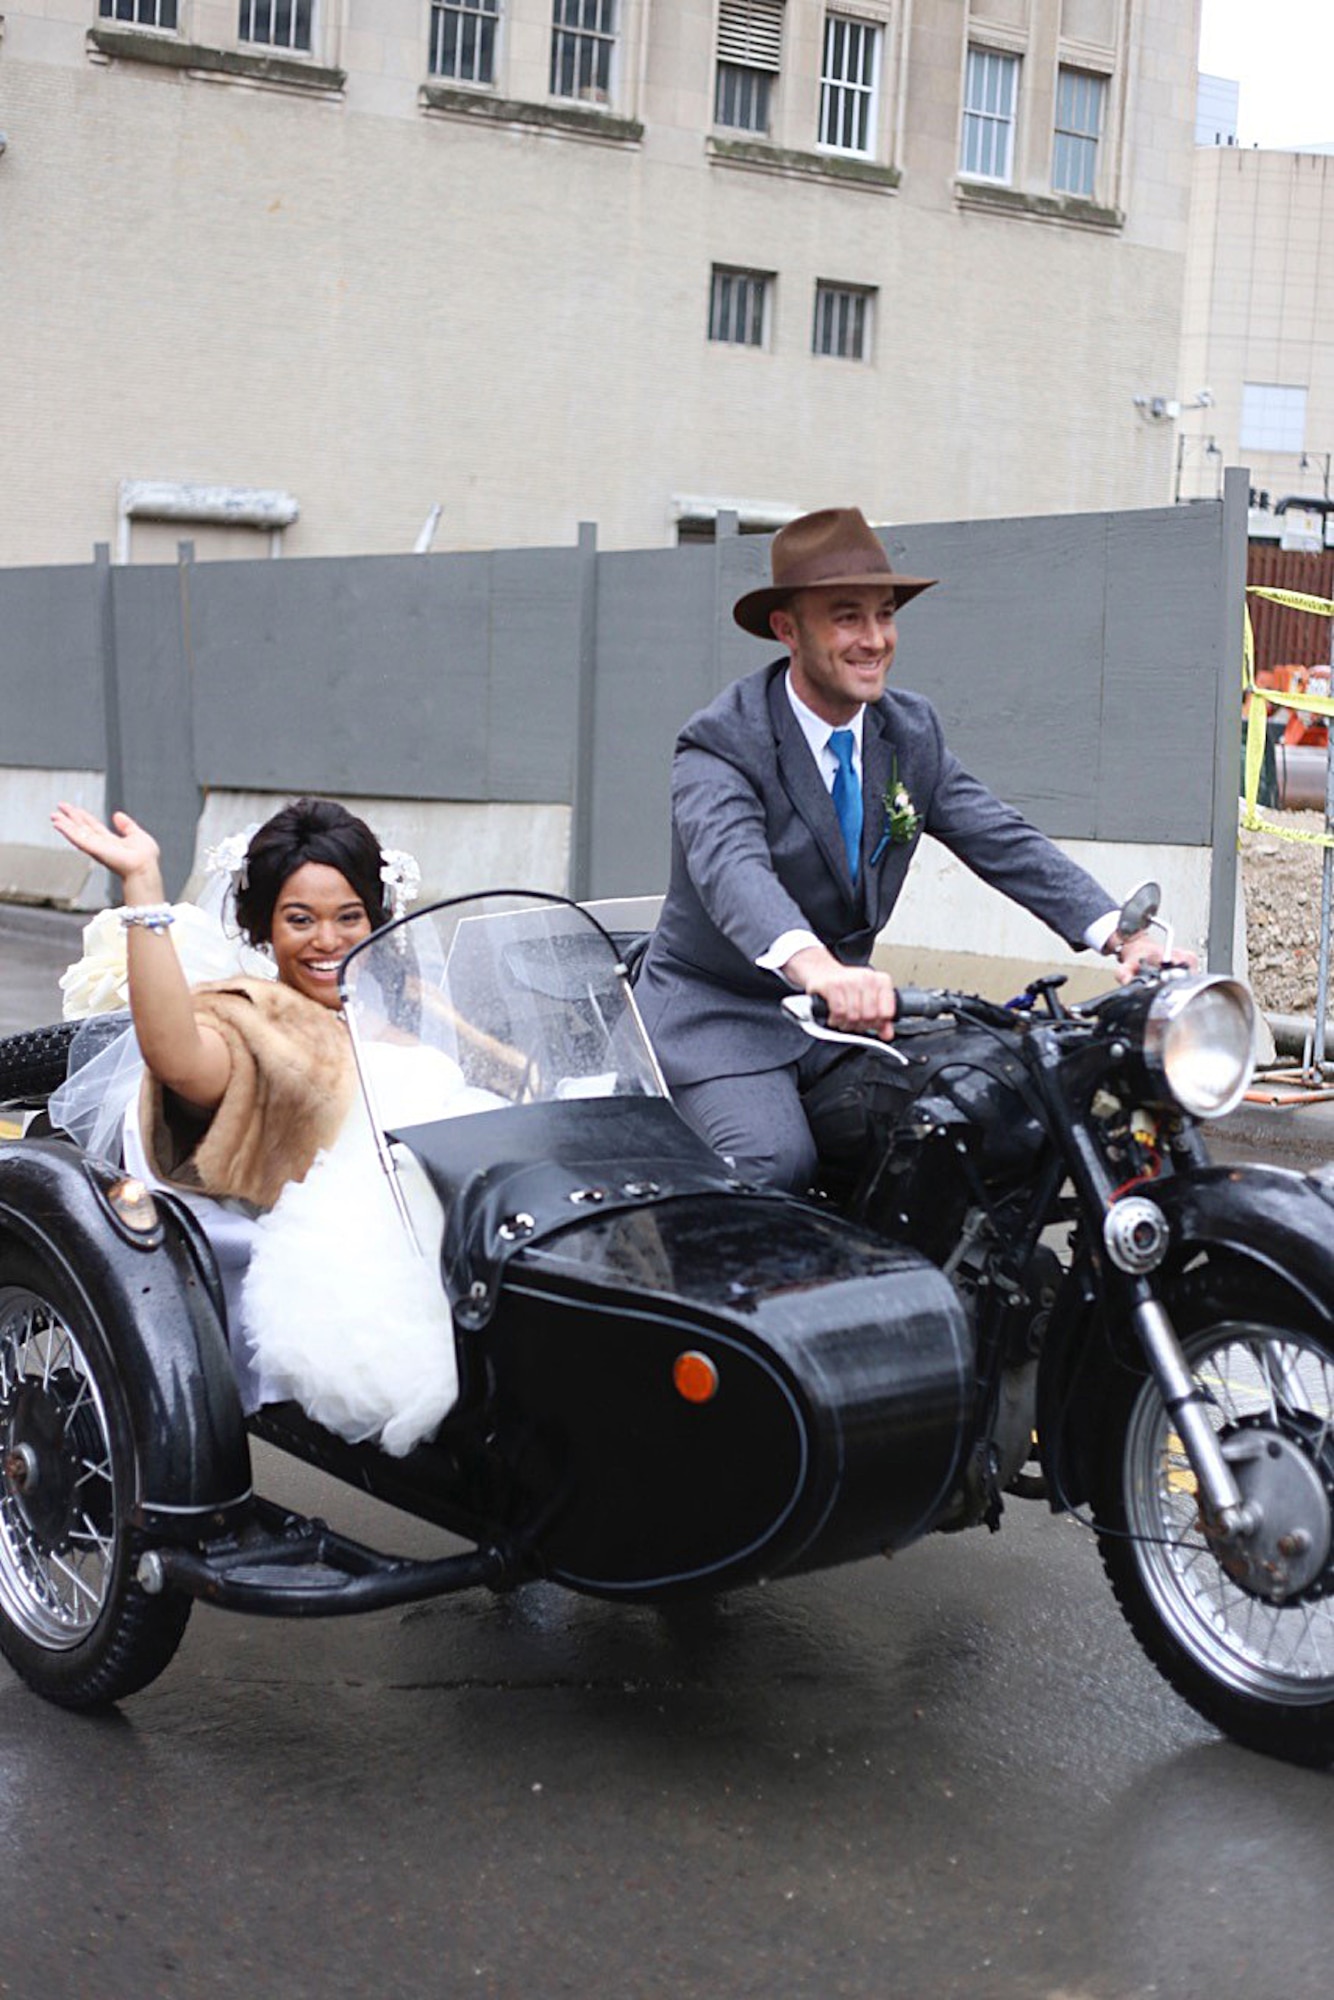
847	797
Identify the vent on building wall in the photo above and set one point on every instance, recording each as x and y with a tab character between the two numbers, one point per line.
751	32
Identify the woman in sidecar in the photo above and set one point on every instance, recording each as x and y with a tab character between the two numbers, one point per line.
557	1326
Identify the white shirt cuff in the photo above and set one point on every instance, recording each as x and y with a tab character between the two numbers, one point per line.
782	948
1098	932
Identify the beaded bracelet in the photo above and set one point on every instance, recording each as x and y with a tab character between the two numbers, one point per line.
147	916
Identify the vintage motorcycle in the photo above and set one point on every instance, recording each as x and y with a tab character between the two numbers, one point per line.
672	1383
1154	1332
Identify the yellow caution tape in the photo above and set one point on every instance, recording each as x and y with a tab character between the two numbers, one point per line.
1257	716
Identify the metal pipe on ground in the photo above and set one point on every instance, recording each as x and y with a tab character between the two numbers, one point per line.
1294	1033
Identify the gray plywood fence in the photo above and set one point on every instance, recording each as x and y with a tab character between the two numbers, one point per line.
1085	665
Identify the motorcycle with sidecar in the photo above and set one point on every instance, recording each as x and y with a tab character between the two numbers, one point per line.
672	1383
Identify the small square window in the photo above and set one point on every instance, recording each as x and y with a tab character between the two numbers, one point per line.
988	115
739	306
849	78
277	24
1080	103
463	40
1273	417
843	321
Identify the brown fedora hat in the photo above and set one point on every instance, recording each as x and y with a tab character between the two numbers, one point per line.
837	545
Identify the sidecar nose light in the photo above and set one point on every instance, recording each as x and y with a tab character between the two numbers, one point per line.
695	1377
1200	1037
133	1204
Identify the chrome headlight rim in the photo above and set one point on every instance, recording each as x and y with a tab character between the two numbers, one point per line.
1167	1024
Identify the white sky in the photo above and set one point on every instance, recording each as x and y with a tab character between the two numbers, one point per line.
1281	52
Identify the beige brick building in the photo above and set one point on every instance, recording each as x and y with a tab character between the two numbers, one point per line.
538	261
1258	328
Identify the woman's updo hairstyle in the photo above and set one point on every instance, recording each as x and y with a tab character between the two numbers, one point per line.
308	830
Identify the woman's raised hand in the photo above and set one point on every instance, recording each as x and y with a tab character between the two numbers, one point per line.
125	847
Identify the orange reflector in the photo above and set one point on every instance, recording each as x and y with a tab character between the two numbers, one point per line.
695	1377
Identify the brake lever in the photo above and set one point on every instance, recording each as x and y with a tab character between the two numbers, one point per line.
812	1015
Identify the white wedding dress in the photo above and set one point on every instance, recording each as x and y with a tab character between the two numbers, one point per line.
329	1304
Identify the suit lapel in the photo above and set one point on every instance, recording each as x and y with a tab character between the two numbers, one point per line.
805	786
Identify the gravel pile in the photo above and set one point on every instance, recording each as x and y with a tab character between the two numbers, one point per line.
1282	883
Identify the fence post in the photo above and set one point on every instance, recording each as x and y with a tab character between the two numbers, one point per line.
581	804
1227	722
113	750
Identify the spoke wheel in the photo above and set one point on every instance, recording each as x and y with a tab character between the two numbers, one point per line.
1254	1653
73	1621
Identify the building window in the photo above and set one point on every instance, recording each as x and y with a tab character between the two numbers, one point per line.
143	13
988	115
849	77
739	306
583	35
278	24
843	322
1080	101
463	40
1273	417
750	47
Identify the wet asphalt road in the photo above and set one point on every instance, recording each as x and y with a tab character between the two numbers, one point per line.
952	1774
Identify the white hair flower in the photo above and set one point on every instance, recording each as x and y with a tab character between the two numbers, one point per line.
228	857
401	877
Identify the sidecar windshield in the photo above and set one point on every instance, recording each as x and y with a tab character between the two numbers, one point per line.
487	1001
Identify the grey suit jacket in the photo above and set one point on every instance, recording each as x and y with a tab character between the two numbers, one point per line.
757	850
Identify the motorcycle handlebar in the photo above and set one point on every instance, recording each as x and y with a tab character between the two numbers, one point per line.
911	1003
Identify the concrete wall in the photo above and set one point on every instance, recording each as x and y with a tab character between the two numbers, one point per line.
512	715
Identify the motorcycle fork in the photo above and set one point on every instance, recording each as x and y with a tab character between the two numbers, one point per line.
1221	1500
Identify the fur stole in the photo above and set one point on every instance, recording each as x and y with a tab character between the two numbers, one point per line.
291	1084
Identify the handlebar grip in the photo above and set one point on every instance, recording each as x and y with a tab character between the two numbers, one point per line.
912	1003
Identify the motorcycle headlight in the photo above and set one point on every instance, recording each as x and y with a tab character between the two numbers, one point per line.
1199	1038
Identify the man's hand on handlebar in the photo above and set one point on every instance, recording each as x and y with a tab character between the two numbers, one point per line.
859	999
1142	952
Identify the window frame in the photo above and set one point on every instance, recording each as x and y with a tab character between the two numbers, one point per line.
1249	422
107	15
288	50
863	295
751	276
610	38
748	44
1012	60
1076	136
481	11
870	94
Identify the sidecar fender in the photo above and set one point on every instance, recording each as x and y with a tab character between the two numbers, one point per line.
1281	1222
154	1298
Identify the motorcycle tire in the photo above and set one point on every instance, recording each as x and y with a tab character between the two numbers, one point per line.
1261	1672
34	1064
74	1623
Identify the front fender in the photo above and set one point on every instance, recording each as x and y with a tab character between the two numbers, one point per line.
1279	1221
149	1295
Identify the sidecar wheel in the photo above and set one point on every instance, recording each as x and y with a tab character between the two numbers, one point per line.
1261	1671
74	1623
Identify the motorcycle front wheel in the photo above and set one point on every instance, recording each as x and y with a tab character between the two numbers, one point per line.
73	1621
1260	1670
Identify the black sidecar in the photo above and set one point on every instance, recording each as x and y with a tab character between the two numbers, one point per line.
667	1382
